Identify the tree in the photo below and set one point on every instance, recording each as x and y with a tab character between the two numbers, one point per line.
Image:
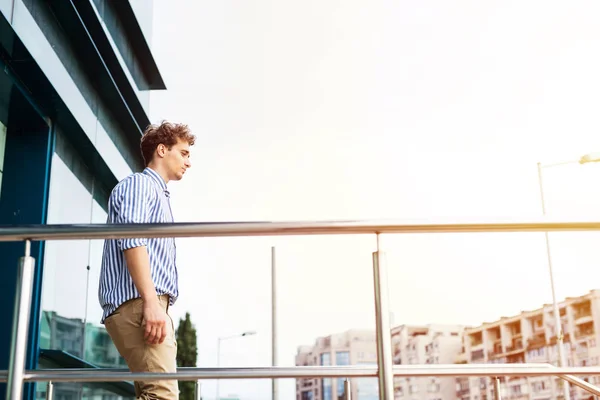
187	354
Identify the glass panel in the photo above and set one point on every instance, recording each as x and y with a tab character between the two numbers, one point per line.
2	148
70	319
76	390
2	145
65	266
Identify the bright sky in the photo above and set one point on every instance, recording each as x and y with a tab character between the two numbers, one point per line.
314	110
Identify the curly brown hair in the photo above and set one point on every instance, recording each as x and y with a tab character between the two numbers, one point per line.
167	133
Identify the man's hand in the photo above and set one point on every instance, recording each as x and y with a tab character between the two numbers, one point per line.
155	319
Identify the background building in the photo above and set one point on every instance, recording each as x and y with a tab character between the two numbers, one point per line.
354	347
79	341
531	337
426	344
430	344
74	95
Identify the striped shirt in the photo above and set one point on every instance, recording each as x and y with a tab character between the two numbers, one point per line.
139	198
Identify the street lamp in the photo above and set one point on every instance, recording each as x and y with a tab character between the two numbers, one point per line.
247	333
274	394
588	158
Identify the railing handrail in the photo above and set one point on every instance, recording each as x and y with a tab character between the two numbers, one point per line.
193	373
276	228
385	370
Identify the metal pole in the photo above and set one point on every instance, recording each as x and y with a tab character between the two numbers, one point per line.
20	327
497	395
562	362
197	394
273	321
384	338
218	365
50	391
348	389
231	229
315	372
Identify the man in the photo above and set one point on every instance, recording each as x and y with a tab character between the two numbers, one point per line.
138	277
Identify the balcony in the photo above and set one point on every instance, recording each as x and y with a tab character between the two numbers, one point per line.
494	334
584	330
476	340
537	324
582	311
514	329
477	355
536	342
516	347
497	348
516	358
584	319
552	340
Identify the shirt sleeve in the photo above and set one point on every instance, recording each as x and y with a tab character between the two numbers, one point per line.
134	200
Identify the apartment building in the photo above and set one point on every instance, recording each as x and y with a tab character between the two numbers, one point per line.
426	344
530	337
353	347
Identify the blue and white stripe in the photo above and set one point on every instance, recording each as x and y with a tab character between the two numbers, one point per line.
140	198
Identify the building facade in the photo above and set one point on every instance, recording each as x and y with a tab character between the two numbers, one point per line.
530	337
353	347
426	344
74	98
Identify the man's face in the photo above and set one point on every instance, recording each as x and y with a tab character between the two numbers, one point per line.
177	160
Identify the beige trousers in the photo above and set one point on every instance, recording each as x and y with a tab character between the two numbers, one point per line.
125	327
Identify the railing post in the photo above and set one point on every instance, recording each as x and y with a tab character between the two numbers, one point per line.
382	316
197	394
348	389
274	382
20	326
50	391
497	395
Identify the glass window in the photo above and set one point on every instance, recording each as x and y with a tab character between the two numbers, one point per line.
341	358
70	310
326	382
368	388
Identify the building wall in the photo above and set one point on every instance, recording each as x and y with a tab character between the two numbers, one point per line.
427	344
63	145
531	338
354	347
431	344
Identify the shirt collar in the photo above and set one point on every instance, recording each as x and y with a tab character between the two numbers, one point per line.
157	178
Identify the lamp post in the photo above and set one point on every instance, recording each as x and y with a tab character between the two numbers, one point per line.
274	388
248	333
588	158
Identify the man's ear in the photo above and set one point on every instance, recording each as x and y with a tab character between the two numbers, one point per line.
161	150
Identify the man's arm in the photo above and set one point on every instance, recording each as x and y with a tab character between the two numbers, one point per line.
137	198
138	264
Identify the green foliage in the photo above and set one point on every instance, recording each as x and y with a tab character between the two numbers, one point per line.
187	354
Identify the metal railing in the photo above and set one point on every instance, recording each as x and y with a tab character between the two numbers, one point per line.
385	371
